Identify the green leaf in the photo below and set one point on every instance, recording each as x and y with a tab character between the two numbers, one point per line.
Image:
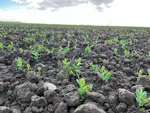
102	69
82	82
144	95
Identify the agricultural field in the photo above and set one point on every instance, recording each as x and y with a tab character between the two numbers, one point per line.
74	69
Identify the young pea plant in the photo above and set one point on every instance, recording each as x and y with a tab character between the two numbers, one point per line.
38	71
20	50
67	65
66	50
60	49
76	66
148	71
35	56
148	54
104	74
126	53
1	45
10	47
72	69
19	62
141	98
28	67
116	51
83	88
140	72
87	49
94	67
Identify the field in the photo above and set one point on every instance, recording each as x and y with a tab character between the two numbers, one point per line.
74	69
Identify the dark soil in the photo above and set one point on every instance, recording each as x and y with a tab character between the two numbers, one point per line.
53	91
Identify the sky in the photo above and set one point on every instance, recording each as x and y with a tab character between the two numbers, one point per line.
84	12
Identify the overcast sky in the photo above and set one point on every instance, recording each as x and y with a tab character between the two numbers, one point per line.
91	12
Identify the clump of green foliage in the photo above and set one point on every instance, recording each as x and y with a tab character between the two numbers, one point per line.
66	50
148	71
38	71
83	88
104	73
10	47
126	53
67	65
20	50
116	51
108	42
87	49
141	98
19	62
1	45
140	72
72	69
35	55
94	67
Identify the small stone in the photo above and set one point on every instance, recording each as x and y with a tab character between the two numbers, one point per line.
38	101
4	109
96	97
113	100
1	87
50	108
126	96
122	107
16	111
49	86
72	99
89	108
61	108
144	81
32	77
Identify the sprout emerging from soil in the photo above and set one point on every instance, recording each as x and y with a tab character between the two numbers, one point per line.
148	71
19	63
140	72
115	51
141	98
104	73
87	49
1	45
83	88
35	56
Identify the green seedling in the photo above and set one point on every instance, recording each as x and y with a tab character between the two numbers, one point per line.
60	49
67	65
1	45
66	50
148	71
76	66
10	47
108	42
28	67
72	69
87	49
20	50
141	98
104	74
148	54
126	53
115	51
83	88
19	62
140	72
35	56
38	72
94	67
123	43
115	40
